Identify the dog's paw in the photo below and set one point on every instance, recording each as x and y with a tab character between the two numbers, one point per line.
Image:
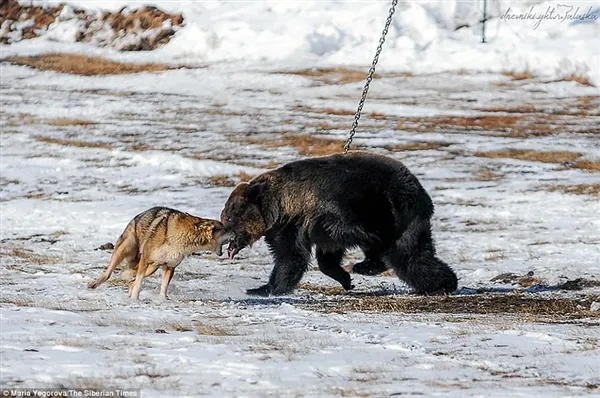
92	285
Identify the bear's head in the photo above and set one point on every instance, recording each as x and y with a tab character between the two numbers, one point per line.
242	215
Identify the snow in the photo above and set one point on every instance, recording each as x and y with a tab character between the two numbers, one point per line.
61	202
267	346
551	40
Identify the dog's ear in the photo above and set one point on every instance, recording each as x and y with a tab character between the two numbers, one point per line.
217	226
256	190
205	229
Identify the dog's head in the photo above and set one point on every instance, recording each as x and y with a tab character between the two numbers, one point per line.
211	233
243	217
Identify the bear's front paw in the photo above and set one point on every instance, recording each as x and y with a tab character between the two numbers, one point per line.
263	291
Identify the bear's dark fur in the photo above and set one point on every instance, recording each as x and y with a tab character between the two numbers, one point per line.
335	203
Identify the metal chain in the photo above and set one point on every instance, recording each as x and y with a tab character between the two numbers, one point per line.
363	98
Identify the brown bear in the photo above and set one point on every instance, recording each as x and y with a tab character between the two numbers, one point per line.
335	203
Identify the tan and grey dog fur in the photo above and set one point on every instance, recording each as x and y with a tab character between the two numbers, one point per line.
161	237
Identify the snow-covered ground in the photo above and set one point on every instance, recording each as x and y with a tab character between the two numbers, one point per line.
60	202
552	39
80	156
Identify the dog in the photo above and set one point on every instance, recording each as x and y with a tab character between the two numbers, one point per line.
162	237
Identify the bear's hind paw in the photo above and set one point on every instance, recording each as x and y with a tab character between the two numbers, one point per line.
263	291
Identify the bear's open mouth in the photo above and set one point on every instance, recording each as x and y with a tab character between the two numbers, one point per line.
232	250
223	240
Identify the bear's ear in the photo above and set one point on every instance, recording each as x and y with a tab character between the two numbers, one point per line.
256	189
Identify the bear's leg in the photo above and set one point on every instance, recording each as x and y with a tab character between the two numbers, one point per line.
330	263
371	265
291	262
414	260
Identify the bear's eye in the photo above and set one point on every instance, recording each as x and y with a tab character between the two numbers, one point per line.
229	219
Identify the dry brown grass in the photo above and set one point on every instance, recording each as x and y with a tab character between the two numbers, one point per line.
211	330
495	256
563	308
325	126
523	109
526	280
515	122
508	125
123	22
38	195
223	180
307	145
330	75
328	290
148	18
179	326
30	256
485	174
588	102
484	122
11	11
587	165
368	375
340	75
83	65
24	118
575	77
325	111
349	392
73	143
244	177
69	122
519	75
530	280
417	146
579	189
236	159
531	155
548	113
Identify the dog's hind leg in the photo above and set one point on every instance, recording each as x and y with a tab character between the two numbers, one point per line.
130	274
141	272
151	269
168	273
126	249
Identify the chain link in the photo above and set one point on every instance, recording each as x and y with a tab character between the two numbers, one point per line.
363	98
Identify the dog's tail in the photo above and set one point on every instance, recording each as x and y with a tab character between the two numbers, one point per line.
126	248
